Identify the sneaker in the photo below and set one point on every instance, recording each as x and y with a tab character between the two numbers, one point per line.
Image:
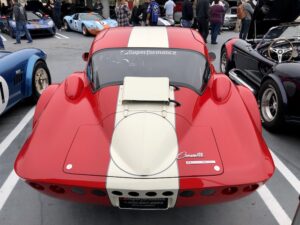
29	41
17	43
214	43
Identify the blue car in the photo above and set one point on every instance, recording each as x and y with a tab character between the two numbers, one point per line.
88	23
38	25
23	74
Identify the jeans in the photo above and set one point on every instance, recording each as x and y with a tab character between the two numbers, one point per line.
186	23
20	28
245	28
215	29
1	43
203	28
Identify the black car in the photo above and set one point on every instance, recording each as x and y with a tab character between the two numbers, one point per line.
268	62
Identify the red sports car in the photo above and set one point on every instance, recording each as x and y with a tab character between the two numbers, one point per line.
147	125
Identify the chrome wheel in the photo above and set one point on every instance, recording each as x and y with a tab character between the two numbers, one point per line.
84	31
223	62
269	104
41	80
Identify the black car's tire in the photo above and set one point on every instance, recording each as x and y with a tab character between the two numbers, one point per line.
85	31
66	26
224	61
40	80
271	106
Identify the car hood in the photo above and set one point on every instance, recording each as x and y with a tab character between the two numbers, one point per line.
269	13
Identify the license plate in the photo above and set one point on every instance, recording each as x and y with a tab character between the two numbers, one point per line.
143	203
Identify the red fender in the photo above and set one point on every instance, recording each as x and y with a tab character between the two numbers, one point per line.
229	46
43	101
251	105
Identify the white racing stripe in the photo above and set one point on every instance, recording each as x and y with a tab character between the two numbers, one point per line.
61	36
3	38
16	131
144	37
155	37
8	187
291	178
278	212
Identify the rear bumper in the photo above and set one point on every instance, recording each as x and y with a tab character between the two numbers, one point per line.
196	192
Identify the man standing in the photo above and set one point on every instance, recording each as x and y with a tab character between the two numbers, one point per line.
202	9
246	20
98	7
153	13
57	13
144	12
21	22
169	7
1	43
187	14
216	20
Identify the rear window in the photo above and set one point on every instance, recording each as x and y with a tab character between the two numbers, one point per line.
182	67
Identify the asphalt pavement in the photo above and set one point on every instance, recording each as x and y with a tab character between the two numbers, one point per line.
274	203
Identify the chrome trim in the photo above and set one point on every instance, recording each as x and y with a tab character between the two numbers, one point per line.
235	77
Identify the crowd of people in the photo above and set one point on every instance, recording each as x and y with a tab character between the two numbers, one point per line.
199	14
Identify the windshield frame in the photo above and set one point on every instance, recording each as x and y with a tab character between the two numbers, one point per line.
205	76
266	40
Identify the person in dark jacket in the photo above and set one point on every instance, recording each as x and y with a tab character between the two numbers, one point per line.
57	13
144	12
21	22
216	20
202	10
1	43
135	14
98	7
187	14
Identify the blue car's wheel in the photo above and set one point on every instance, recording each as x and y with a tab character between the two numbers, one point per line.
66	26
85	31
40	79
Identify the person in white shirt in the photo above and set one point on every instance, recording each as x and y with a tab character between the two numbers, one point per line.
169	7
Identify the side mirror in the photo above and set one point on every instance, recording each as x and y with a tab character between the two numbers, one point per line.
73	87
212	56
71	21
85	56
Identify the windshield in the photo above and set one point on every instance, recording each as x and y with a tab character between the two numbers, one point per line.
32	16
287	32
90	16
182	67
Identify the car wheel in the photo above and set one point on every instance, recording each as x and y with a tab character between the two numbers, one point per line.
85	31
271	105
224	61
40	79
66	26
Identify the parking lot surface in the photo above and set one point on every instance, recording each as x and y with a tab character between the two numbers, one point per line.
274	203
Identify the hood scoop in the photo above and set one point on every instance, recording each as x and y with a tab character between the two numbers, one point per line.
146	89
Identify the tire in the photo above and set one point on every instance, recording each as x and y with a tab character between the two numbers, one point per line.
66	26
271	106
85	31
40	80
224	62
